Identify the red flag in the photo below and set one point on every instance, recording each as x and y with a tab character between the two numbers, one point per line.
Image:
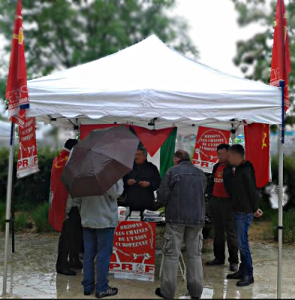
18	101
258	151
16	90
281	63
58	192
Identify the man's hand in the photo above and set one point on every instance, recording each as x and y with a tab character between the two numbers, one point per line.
144	184
131	182
258	214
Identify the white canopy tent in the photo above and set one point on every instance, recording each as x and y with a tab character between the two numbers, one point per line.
152	84
5	130
150	80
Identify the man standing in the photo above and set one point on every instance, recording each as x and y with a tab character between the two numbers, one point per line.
222	212
245	198
63	217
182	193
99	215
141	183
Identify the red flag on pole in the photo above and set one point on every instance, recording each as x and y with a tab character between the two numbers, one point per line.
258	151
18	101
281	63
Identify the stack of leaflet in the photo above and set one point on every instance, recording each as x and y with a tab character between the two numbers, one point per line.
135	216
123	213
152	216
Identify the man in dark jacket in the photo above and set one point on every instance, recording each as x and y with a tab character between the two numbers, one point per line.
141	183
182	192
245	198
222	212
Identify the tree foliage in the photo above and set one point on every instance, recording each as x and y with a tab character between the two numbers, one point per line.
254	55
64	33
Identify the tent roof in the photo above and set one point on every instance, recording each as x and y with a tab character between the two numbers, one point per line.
150	80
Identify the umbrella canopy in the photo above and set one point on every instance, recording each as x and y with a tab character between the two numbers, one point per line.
99	161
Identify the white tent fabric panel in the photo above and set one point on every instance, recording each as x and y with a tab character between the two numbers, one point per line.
5	130
149	80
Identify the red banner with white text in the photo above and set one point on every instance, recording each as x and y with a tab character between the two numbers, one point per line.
134	251
205	154
27	154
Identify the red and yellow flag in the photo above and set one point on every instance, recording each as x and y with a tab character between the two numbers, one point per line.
281	63
18	101
58	192
258	151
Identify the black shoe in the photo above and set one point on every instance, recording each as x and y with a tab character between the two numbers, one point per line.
234	267
237	275
215	262
108	293
67	272
159	294
88	292
245	281
76	265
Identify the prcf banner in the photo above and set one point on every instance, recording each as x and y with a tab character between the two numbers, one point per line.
17	91
18	101
27	154
205	154
134	251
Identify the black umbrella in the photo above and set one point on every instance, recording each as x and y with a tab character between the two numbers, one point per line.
99	161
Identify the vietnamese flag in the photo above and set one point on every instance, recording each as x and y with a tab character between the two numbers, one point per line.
18	101
258	151
281	63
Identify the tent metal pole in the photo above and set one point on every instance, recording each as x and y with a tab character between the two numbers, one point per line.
8	206
281	193
233	134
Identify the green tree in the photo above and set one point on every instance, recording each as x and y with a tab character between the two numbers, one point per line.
62	33
254	55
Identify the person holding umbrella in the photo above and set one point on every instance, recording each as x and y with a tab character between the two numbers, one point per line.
93	177
99	215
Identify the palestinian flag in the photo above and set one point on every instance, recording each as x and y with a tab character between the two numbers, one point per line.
160	145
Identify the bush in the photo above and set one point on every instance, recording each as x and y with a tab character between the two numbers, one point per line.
40	217
289	226
21	221
32	190
289	177
2	216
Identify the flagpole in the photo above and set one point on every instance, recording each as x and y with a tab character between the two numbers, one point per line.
8	206
281	192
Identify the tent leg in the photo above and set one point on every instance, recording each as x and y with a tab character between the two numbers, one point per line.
280	218
281	192
8	206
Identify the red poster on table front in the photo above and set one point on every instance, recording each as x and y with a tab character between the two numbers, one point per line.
134	251
205	154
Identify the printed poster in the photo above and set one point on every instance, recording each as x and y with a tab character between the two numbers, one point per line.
205	154
134	251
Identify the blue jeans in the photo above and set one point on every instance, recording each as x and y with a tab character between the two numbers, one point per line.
242	224
97	243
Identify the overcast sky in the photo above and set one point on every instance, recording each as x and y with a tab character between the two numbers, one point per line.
215	31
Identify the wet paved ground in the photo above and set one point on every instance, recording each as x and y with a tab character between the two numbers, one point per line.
32	274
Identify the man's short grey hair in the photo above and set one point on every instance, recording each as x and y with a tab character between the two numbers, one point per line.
182	155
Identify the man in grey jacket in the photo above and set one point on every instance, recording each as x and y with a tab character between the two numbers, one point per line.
99	216
182	193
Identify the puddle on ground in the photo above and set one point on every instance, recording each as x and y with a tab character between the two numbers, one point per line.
31	274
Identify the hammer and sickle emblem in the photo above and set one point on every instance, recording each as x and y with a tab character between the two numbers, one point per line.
60	164
263	140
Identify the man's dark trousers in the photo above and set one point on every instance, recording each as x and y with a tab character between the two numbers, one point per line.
224	228
69	241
